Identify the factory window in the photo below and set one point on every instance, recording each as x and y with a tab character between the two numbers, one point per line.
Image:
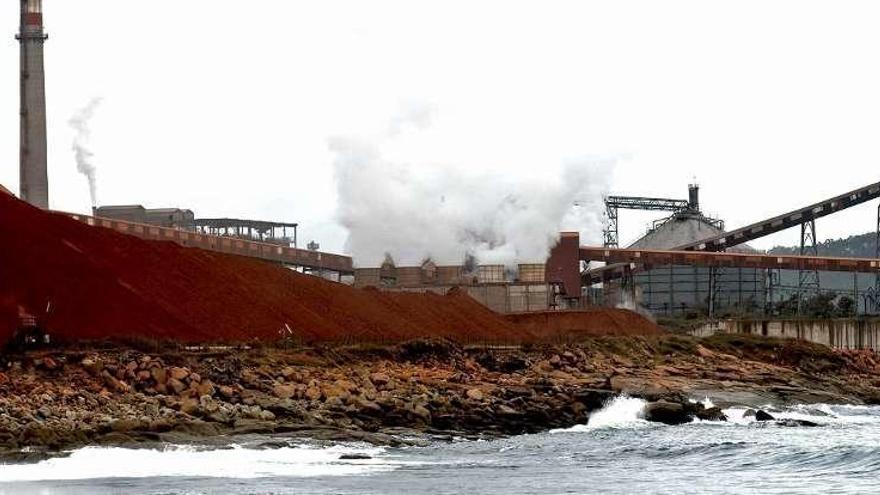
35	6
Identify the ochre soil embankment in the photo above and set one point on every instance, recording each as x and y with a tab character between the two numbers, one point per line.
103	284
574	325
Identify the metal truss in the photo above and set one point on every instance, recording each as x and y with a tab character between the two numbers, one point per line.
808	280
615	203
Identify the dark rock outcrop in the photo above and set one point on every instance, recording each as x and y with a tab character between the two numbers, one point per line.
762	415
669	413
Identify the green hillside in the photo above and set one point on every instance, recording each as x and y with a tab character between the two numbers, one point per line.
856	246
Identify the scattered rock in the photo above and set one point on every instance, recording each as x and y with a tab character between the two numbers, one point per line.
290	374
284	391
354	457
93	366
670	413
379	379
205	388
475	394
762	415
313	393
188	405
114	384
704	353
796	423
594	399
712	414
50	364
175	385
179	374
160	375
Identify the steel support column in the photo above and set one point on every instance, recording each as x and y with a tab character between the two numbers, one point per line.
808	280
877	255
610	232
772	282
628	286
872	297
713	291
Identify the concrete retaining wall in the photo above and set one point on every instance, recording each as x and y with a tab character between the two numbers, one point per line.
844	333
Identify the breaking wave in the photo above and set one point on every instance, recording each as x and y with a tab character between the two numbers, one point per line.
188	461
620	412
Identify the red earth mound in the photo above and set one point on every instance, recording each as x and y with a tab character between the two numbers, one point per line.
103	284
586	323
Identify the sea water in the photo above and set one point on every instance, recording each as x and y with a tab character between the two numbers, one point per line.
616	452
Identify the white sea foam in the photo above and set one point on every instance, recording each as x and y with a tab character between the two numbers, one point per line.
621	412
817	413
182	461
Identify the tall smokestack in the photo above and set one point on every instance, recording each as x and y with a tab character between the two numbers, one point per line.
34	180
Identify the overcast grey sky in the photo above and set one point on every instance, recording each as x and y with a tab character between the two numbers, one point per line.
226	106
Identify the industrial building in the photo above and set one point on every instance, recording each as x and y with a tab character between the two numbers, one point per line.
527	287
724	284
676	289
660	272
184	219
160	217
500	289
686	264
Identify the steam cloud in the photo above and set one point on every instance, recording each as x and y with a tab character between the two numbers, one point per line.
80	123
411	212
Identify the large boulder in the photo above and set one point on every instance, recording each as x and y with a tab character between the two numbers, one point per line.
159	374
379	379
284	391
475	394
712	414
762	415
594	399
669	413
178	373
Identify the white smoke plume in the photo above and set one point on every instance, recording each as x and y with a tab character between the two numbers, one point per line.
84	165
415	211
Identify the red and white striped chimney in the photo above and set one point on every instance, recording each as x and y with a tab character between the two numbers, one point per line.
34	179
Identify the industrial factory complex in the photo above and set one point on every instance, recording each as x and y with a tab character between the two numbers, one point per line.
686	264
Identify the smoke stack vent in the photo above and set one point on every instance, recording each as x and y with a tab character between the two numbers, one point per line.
34	179
694	197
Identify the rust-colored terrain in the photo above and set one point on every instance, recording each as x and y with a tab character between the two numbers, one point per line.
576	325
102	284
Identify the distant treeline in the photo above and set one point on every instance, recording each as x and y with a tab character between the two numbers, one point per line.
855	246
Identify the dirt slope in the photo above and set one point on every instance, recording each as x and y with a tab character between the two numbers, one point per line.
104	284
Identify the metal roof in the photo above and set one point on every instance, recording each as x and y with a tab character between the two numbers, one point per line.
681	229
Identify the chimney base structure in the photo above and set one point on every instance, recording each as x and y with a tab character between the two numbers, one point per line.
34	178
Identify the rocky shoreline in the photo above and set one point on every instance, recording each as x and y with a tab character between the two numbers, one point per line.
56	400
